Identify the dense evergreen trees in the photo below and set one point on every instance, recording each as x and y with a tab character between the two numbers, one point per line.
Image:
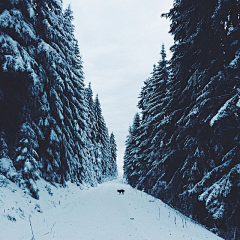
50	126
113	155
188	151
131	156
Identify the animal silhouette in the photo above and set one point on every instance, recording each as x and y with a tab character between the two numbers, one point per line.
121	191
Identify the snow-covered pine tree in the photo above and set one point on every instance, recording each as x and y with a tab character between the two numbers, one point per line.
91	133
91	116
126	158
143	136
113	156
3	146
42	90
26	155
102	141
26	160
132	166
101	128
63	91
194	164
77	104
6	164
153	120
19	85
18	68
223	94
50	55
208	123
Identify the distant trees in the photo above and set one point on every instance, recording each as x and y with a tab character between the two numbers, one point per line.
50	127
113	156
132	155
188	134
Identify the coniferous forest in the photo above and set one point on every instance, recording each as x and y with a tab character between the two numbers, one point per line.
183	146
50	125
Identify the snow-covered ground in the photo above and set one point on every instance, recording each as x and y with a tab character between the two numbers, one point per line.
98	213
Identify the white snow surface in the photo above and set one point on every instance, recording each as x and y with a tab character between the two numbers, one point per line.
100	213
5	164
225	110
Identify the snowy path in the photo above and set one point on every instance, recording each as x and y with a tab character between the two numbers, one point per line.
102	214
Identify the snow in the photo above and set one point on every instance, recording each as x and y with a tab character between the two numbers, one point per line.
5	164
238	103
221	113
53	136
224	110
15	56
14	19
27	166
31	12
91	213
25	150
7	168
235	62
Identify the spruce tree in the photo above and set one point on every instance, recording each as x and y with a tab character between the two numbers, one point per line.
44	120
113	156
91	114
131	156
102	139
3	146
192	157
19	86
63	91
26	161
153	118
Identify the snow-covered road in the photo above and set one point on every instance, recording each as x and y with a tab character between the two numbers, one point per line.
100	213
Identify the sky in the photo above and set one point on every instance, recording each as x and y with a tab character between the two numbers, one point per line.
119	41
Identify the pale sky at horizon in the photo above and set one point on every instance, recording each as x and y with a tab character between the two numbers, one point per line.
119	42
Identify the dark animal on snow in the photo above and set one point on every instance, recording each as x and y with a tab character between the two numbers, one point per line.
121	191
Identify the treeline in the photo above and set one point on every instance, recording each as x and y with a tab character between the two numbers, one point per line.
50	126
183	147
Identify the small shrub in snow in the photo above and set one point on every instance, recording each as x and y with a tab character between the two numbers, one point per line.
31	185
49	190
38	208
10	218
21	213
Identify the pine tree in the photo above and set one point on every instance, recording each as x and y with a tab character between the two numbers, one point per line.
27	157
3	146
63	91
45	116
153	119
101	128
191	160
19	87
102	139
91	133
131	156
113	156
210	87
91	116
19	70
